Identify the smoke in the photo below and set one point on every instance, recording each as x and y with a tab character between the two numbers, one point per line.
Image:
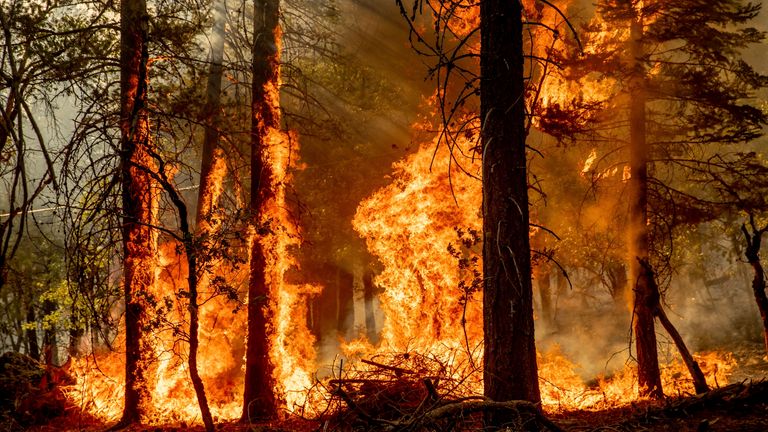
380	101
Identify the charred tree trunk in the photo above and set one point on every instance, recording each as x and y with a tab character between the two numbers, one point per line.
137	200
699	381
194	334
33	348
212	116
646	297
509	361
752	253
260	401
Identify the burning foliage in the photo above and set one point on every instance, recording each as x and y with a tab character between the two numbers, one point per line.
30	392
423	371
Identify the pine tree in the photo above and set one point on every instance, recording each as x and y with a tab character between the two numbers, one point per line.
509	357
684	91
137	193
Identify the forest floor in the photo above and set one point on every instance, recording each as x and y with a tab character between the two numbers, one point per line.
739	406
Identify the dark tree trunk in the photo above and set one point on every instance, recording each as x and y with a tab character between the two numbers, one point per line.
212	118
370	312
509	361
260	401
344	302
646	297
50	351
33	348
699	381
75	334
752	253
617	278
193	306
545	296
138	237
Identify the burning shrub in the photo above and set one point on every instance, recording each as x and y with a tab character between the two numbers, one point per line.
30	391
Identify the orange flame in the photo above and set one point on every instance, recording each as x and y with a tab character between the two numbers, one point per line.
424	229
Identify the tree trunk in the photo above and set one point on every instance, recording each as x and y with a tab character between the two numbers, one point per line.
50	351
646	297
758	281
194	315
205	202
137	197
545	296
33	348
76	334
617	278
509	361
344	303
699	381
370	313
194	341
260	401
212	117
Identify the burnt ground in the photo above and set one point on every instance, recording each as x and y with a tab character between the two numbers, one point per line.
740	406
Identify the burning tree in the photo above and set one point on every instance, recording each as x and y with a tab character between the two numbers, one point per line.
260	401
139	200
677	75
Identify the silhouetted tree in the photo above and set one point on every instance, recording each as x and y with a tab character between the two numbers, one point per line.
509	358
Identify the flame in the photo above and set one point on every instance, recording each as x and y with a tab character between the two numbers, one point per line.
425	229
222	324
588	168
409	227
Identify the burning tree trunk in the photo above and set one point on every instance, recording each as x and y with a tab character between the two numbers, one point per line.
646	295
752	253
211	153
137	195
260	401
509	361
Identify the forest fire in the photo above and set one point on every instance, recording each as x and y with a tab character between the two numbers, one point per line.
567	193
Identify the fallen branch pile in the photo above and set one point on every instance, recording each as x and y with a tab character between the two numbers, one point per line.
421	395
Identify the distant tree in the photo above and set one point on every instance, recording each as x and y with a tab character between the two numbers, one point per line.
211	152
48	50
